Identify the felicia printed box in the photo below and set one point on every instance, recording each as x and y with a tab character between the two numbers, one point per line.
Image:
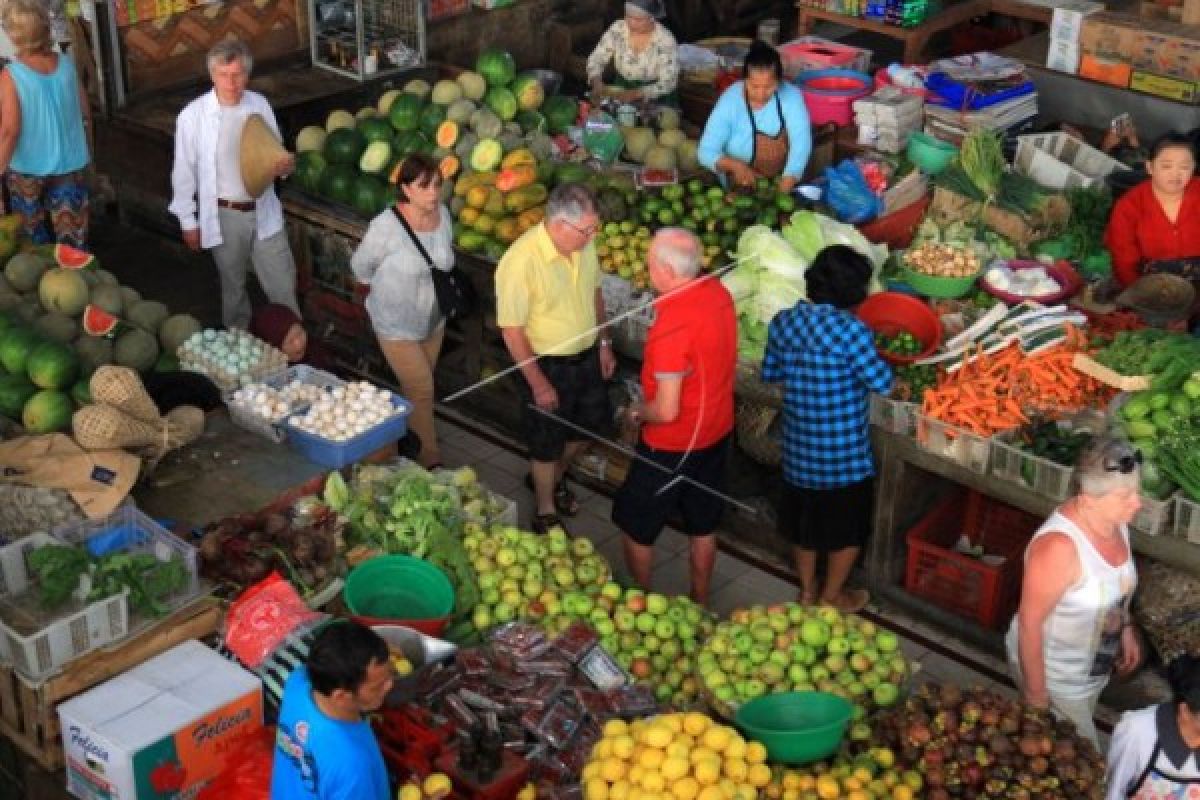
161	731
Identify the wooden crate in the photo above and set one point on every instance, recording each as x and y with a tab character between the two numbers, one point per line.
29	714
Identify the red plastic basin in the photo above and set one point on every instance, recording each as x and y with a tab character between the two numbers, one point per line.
891	313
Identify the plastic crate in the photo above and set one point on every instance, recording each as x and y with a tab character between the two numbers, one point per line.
244	417
62	637
1012	463
957	444
986	591
1187	518
1155	515
336	455
1060	161
894	416
813	52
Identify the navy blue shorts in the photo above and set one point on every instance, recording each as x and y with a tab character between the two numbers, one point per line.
582	402
827	520
690	485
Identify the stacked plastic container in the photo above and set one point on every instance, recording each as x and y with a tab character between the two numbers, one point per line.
886	118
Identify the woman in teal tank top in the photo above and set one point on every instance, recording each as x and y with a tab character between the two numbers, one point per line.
43	144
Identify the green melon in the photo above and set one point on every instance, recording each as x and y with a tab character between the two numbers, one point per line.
502	102
28	310
15	346
344	146
529	92
81	392
309	168
108	298
417	87
375	130
93	352
337	182
384	104
338	120
48	411
473	85
445	92
460	111
63	290
147	315
496	66
135	349
310	138
25	270
405	113
15	391
9	300
105	277
176	330
129	296
52	365
57	327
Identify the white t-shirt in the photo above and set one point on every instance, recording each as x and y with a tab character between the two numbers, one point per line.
229	154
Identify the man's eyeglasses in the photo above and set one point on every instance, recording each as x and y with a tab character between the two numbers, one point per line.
1124	464
587	232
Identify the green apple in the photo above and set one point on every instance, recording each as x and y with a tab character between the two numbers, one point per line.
646	622
870	679
724	694
715	679
770	674
857	641
660	662
719	644
656	603
604	627
564	577
504	612
481	618
818	674
778	621
624	619
670	648
755	688
488	580
815	632
763	634
512	598
635	600
651	642
887	642
597	616
796	614
665	629
838	645
835	663
586	574
860	663
829	615
630	641
759	654
685	630
663	692
581	547
742	643
677	613
779	658
611	590
489	597
798	673
506	557
885	695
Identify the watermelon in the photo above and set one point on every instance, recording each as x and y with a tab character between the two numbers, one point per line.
344	146
560	112
69	257
496	66
370	195
63	290
571	172
176	330
473	85
529	92
167	362
384	104
48	411
375	158
531	121
15	391
409	142
135	349
98	322
15	346
502	102
376	130
337	182
24	270
431	117
309	167
405	113
81	392
52	365
486	155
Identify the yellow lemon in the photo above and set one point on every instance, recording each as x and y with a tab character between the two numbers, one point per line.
591	770
828	788
679	749
736	748
615	727
653	781
717	738
760	775
728	788
622	747
635	774
619	791
807	783
791	794
746	792
858	794
756	752
685	788
791	780
409	791
863	775
673	723
652	758
657	735
612	769
878	788
884	757
603	749
437	785
902	793
736	770
707	772
595	790
528	792
674	768
711	793
695	723
773	792
851	783
699	754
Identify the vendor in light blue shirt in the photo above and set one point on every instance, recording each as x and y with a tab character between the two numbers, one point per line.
759	127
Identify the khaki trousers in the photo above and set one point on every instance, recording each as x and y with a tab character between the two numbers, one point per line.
413	363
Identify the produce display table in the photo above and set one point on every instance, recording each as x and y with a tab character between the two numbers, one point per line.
915	40
29	715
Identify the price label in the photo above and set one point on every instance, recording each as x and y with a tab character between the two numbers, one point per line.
602	670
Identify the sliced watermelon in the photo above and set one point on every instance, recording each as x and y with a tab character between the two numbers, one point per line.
69	257
98	322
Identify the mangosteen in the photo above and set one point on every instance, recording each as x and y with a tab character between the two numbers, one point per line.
1029	746
949	695
919	734
257	538
1038	765
303	549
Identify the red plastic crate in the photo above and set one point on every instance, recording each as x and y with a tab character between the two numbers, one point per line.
961	583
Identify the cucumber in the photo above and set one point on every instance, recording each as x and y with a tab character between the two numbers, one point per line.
1181	405
1146	447
1140	429
1159	400
1162	418
1136	407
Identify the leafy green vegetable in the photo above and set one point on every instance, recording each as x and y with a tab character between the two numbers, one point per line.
58	569
982	159
64	570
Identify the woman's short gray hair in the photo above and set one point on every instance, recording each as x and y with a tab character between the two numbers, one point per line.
679	249
1108	463
570	201
226	50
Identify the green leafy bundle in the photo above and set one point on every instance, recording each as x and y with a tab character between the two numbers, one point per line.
64	570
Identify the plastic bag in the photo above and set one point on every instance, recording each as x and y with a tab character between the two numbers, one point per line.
849	195
262	617
246	773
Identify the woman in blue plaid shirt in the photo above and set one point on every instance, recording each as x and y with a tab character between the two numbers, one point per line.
825	358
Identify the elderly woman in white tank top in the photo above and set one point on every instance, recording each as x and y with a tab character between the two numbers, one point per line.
1073	628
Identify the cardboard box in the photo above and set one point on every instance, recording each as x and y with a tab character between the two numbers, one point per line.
1167	48
1063	56
162	729
1166	86
1103	70
1110	36
1067	21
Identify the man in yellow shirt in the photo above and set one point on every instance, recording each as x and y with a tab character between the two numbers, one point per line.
551	312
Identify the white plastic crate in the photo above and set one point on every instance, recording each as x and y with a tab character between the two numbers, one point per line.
1187	518
1060	161
957	444
59	636
273	429
1042	475
894	416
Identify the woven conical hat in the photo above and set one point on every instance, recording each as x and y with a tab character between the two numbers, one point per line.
260	151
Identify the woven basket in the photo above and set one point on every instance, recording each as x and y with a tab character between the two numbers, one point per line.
753	423
102	427
1167	608
121	388
748	386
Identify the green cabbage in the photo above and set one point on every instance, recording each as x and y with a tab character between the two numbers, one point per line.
768	278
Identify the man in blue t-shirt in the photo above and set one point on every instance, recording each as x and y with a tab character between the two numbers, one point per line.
324	748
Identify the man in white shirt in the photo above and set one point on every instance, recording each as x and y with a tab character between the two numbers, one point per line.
214	209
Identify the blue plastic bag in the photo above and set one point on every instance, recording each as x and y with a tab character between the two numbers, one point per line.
848	194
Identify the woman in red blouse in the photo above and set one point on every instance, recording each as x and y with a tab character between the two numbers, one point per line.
1155	226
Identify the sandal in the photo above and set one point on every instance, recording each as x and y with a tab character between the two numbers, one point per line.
852	601
544	523
565	501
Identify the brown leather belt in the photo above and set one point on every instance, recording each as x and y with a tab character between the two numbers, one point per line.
235	205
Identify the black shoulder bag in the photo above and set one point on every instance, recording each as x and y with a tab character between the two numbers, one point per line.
456	296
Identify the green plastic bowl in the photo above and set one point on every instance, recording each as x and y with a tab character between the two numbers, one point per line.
400	590
796	727
932	286
931	154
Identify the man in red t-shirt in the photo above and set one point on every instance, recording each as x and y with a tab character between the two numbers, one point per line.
687	414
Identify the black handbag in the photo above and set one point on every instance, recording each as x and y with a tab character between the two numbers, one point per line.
455	294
